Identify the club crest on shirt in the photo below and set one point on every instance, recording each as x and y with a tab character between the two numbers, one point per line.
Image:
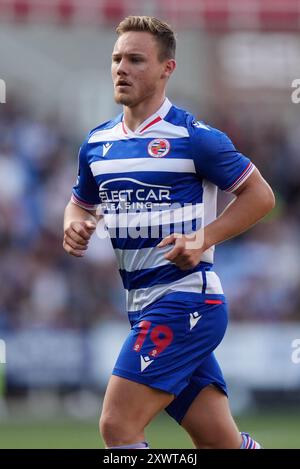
159	147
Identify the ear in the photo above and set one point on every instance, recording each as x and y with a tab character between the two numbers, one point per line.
169	67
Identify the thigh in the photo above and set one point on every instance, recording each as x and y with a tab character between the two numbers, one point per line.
133	403
209	421
207	373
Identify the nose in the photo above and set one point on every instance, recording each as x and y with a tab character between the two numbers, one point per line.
122	68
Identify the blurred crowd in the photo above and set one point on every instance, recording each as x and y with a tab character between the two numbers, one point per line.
42	286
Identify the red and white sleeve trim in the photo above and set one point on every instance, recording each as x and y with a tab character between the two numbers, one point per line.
81	203
242	178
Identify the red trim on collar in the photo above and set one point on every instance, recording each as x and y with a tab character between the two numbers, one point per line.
123	127
157	119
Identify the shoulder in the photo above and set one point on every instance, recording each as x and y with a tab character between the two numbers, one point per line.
108	125
103	129
208	139
96	133
86	148
177	116
199	131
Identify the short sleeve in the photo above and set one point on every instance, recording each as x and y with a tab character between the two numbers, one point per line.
216	158
85	191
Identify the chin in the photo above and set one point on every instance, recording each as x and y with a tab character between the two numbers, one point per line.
123	99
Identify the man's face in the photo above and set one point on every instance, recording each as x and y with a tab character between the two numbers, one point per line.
136	71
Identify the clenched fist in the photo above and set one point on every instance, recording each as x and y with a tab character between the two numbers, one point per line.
77	236
187	250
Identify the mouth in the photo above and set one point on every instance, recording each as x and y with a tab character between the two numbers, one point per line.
123	83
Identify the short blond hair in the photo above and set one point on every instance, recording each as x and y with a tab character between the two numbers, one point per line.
162	32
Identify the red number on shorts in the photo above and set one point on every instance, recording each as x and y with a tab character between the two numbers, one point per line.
155	336
160	342
145	326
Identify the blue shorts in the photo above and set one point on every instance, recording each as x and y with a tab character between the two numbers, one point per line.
170	347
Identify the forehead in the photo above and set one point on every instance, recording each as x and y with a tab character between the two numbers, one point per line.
135	42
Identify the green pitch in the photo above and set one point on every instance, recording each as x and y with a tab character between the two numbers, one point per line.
273	430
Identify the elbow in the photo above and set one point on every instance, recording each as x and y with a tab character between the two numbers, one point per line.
269	200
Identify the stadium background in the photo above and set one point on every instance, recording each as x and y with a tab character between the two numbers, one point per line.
63	319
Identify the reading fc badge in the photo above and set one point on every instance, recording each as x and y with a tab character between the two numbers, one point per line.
159	147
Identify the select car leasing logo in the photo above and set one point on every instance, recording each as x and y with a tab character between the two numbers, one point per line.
2	352
2	91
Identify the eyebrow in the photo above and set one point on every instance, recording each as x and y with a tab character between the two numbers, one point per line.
129	54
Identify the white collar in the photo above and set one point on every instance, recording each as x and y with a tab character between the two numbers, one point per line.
160	114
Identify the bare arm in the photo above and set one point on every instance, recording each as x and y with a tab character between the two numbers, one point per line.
254	199
79	225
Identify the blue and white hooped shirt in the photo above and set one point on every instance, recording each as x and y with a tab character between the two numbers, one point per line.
160	179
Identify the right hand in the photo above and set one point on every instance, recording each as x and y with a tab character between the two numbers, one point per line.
77	236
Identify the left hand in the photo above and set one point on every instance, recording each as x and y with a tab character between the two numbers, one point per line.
187	250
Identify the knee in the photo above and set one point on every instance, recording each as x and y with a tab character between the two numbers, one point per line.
117	433
110	429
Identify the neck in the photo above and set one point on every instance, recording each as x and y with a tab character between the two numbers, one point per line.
134	116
